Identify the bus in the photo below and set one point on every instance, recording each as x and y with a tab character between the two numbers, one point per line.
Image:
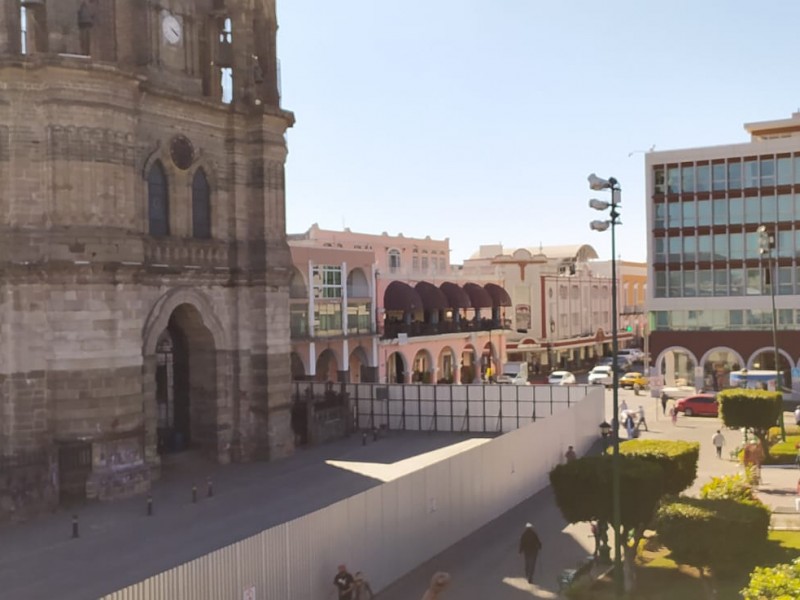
753	379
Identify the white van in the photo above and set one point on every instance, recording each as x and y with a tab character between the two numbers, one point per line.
515	373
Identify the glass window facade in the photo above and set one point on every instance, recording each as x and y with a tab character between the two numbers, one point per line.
708	244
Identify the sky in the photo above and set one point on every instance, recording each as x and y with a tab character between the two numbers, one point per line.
480	121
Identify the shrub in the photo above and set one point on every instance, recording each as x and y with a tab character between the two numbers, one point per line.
677	459
730	487
757	410
722	535
781	582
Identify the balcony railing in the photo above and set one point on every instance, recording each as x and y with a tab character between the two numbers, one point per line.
392	329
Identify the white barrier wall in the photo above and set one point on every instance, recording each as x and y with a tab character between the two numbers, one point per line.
390	529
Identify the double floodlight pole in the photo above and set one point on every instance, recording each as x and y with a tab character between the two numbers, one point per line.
597	184
766	245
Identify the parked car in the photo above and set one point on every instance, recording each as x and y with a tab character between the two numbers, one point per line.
623	362
699	404
561	378
631	379
515	373
601	375
632	354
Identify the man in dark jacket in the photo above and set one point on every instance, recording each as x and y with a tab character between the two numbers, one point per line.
529	546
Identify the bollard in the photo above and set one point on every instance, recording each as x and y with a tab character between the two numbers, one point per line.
364	438
194	494
374	434
149	505
75	526
210	487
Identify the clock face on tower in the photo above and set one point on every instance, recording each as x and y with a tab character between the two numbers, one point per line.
171	28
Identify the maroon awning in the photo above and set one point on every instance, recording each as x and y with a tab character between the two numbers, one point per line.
499	296
478	296
432	297
457	298
401	296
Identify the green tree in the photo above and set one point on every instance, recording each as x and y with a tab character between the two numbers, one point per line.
677	459
716	536
583	492
756	410
781	582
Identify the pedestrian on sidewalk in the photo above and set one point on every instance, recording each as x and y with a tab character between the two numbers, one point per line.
570	454
623	406
361	587
664	400
642	422
797	415
673	414
719	441
439	582
529	546
344	583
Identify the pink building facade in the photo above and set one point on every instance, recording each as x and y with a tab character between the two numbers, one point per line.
381	308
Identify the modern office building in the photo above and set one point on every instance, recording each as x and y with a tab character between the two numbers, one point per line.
712	272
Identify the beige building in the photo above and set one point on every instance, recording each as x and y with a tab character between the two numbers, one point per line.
561	304
143	258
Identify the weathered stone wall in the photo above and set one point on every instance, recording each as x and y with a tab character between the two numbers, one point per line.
85	291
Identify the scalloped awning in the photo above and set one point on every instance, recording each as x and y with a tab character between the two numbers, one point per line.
478	296
499	296
401	296
432	297
457	298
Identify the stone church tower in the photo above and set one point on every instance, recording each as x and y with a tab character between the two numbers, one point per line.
143	257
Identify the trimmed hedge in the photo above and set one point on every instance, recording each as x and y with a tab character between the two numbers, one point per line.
781	582
756	409
721	534
583	489
677	459
730	487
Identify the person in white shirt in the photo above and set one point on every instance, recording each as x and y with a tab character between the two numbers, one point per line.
719	441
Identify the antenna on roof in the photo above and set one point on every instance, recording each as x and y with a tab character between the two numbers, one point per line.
651	149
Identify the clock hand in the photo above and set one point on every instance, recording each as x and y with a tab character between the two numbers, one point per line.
175	31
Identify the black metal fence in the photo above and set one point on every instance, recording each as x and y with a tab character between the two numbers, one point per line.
480	408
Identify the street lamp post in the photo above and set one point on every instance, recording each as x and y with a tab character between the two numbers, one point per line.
766	244
597	183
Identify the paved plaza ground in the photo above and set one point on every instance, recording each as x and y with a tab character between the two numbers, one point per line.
120	545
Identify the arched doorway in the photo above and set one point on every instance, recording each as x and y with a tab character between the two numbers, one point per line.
469	369
186	384
358	365
327	366
717	366
764	359
423	367
298	368
446	365
677	365
395	368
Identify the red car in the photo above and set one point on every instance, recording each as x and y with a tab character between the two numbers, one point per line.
701	405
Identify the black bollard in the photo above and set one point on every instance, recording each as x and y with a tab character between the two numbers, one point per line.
210	487
149	505
194	494
364	438
374	434
75	526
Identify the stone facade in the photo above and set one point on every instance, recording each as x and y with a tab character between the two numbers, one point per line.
120	332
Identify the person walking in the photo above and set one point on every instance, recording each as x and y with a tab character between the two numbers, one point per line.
529	546
719	441
344	583
361	587
797	415
664	400
623	406
673	415
570	454
642	422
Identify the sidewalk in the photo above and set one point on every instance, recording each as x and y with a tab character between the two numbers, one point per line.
120	545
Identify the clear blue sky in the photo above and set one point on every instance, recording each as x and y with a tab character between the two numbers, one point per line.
479	121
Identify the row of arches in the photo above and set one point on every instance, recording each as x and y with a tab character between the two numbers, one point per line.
679	365
464	364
